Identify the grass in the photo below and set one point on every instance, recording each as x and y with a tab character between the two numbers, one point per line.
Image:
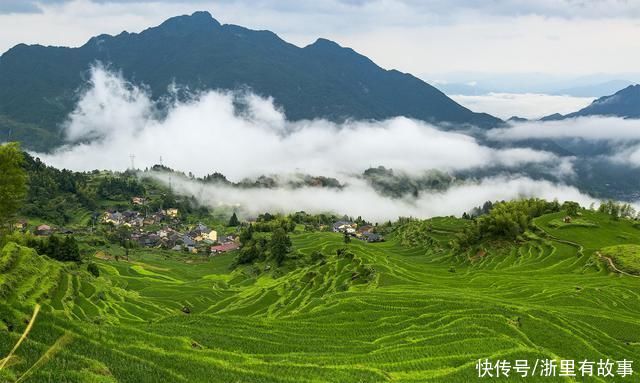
411	320
625	257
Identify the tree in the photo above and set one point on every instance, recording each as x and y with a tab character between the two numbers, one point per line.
279	245
93	269
246	235
346	238
13	181
233	221
63	250
571	208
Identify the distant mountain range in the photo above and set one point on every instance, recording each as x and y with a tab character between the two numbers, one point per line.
477	84
624	103
594	90
39	85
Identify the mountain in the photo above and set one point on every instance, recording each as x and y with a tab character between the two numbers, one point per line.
624	103
38	85
463	89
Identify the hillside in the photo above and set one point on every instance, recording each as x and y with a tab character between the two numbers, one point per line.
425	314
38	85
624	103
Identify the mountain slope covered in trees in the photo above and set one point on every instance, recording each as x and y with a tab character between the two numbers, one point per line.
38	85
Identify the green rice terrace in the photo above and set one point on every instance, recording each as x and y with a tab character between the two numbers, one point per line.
406	310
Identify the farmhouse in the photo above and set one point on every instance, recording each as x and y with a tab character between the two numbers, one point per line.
372	237
202	233
21	224
115	218
43	230
138	200
345	227
172	212
224	247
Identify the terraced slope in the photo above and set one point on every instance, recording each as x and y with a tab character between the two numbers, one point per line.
389	313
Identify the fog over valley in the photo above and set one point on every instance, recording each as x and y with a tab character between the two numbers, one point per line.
243	135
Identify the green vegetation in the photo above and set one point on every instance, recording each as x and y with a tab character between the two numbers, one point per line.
625	257
415	308
526	279
506	220
13	178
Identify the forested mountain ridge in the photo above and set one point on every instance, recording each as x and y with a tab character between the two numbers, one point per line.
39	85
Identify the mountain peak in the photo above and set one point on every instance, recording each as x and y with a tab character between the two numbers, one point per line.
324	44
196	21
631	89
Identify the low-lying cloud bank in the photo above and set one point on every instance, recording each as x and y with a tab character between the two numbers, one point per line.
211	132
243	135
621	135
588	128
358	199
526	105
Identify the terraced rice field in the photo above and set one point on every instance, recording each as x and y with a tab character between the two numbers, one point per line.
423	315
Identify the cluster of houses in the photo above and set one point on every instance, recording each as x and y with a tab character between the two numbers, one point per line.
41	230
131	218
198	239
364	232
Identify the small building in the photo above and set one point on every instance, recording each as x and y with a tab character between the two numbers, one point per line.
372	237
138	200
21	224
115	218
567	219
43	230
365	229
224	247
345	227
188	241
172	212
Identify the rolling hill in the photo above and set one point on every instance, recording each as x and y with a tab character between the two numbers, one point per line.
38	85
424	315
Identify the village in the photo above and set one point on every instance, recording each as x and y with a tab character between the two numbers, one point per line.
166	229
364	232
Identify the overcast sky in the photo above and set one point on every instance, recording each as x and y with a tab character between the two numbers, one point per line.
567	37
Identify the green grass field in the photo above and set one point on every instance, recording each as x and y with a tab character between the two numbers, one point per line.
422	314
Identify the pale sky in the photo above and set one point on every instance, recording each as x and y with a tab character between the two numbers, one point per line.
567	37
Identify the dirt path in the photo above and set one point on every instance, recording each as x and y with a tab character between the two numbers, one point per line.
613	266
581	248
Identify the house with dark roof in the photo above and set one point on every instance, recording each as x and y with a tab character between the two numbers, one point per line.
372	237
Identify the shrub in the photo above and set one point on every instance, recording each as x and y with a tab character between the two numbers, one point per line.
93	269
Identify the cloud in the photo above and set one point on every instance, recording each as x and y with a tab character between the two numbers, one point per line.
527	105
114	119
551	8
210	133
18	6
588	128
563	37
358	199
